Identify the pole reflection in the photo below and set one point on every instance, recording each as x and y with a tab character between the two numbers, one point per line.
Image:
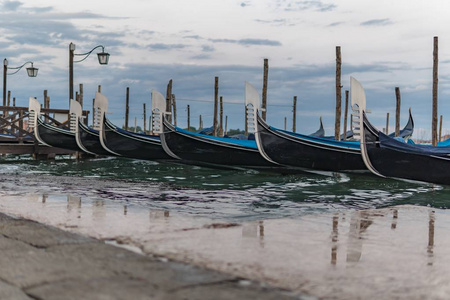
394	219
430	248
334	239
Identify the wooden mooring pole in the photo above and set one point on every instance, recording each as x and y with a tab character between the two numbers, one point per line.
294	114
189	117
226	124
387	123
221	117
345	115
397	111
45	99
264	91
337	126
174	109
216	100
169	101
145	119
440	129
81	95
435	93
127	108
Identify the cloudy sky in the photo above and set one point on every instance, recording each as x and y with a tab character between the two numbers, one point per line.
384	44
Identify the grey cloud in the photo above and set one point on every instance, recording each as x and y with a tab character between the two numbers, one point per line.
206	48
276	22
79	15
316	5
11	5
201	56
161	46
335	24
195	37
377	22
248	42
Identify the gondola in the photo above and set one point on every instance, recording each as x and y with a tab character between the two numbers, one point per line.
48	134
320	132
87	138
126	143
386	156
200	149
298	150
194	148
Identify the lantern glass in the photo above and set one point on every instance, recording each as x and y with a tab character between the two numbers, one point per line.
32	71
103	58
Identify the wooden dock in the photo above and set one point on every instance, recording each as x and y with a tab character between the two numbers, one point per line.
17	138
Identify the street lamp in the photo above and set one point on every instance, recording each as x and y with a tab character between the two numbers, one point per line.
31	71
103	59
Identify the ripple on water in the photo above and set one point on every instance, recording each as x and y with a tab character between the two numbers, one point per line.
239	195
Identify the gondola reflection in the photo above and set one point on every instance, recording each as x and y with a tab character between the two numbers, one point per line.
254	230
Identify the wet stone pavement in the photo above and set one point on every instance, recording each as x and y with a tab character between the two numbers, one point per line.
43	262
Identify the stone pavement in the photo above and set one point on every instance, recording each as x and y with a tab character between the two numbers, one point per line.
42	262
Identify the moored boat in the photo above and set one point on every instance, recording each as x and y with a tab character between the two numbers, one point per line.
309	152
386	156
201	149
128	144
48	134
87	138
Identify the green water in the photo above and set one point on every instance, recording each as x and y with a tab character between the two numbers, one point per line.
237	195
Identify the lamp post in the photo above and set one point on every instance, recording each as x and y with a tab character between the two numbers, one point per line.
31	71
103	58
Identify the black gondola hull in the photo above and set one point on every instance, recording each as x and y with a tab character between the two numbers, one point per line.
90	140
206	151
132	145
309	152
57	137
403	164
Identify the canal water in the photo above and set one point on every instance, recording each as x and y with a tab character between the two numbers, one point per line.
232	195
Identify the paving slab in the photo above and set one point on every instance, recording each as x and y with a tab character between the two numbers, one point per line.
11	292
43	262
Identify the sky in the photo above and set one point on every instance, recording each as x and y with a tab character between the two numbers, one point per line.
384	44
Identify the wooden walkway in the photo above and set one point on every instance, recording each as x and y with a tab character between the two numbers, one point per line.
17	138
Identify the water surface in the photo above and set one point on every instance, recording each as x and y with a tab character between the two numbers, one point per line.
233	195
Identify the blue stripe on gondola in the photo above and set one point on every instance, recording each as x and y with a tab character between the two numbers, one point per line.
347	144
129	133
244	143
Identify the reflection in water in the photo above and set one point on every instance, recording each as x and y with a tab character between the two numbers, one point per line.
359	223
73	205
294	253
261	229
215	193
254	230
334	239
430	238
98	210
394	219
158	214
